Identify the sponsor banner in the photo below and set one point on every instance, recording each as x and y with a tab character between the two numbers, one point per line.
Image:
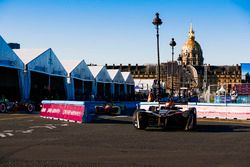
63	111
243	89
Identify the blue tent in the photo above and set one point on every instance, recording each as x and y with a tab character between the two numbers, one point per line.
80	80
50	74
12	78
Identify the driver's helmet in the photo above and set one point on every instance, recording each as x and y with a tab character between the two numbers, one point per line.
170	103
108	106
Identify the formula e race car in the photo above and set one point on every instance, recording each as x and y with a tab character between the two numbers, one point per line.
26	106
7	106
108	109
153	114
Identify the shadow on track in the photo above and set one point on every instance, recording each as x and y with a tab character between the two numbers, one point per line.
112	120
209	128
222	128
212	127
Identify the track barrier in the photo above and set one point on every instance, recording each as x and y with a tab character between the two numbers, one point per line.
222	111
77	111
212	110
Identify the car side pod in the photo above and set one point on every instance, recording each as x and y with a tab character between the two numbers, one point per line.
140	119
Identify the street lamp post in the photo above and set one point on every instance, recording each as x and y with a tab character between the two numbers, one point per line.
157	22
172	44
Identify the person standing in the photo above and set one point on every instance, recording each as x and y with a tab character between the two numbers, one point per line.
234	95
151	96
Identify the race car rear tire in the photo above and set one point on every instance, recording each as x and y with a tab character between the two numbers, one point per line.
3	107
165	124
30	108
140	120
191	120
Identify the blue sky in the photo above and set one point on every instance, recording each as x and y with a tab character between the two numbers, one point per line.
121	31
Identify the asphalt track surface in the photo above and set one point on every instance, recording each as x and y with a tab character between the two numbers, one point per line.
27	140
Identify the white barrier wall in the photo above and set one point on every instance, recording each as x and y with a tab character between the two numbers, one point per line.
211	110
222	111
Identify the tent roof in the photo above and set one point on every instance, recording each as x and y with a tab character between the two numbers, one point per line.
27	55
95	70
42	61
8	57
222	89
78	69
113	73
116	76
69	65
128	78
125	75
100	74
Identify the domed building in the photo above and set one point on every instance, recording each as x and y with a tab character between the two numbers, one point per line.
188	76
191	62
191	53
202	76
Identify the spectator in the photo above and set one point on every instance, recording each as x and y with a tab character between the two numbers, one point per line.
151	97
234	95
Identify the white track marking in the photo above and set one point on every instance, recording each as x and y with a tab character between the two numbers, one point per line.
28	131
2	135
34	127
50	127
9	134
8	131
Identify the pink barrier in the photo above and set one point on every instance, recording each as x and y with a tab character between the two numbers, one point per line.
70	112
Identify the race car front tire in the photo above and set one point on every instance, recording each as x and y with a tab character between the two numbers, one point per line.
140	120
191	120
3	107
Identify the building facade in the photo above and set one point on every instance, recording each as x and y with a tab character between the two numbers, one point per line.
188	72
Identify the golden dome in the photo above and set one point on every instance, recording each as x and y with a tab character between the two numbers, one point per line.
191	44
191	50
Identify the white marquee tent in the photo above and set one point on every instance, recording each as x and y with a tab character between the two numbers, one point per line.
11	73
117	87
81	80
130	83
103	81
44	74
